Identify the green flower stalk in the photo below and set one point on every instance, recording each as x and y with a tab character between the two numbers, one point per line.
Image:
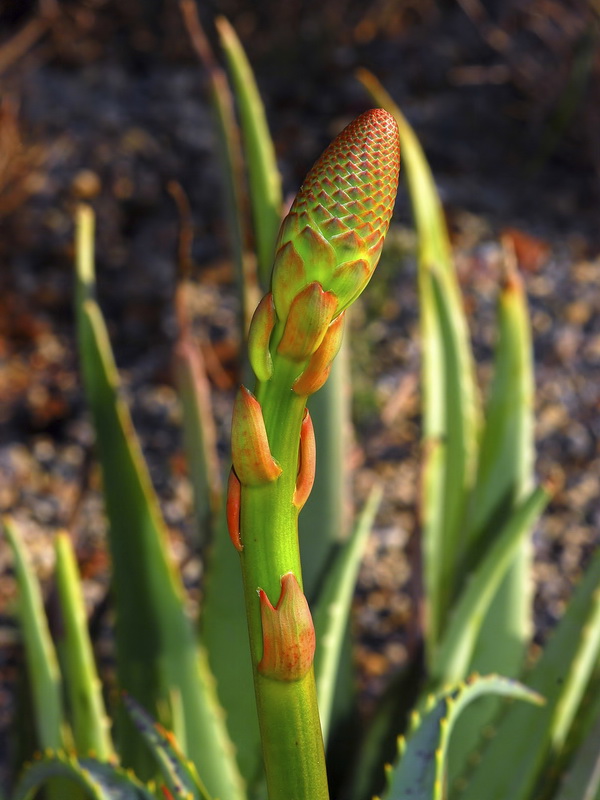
327	250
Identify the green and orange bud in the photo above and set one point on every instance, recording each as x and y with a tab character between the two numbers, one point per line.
318	368
251	455
309	316
307	462
288	633
259	337
337	224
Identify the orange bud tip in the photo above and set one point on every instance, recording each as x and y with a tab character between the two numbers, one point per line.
167	793
309	316
319	366
306	462
251	455
234	498
288	633
259	336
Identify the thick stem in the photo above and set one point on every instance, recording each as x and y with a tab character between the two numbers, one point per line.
288	714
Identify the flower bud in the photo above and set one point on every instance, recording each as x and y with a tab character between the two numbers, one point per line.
337	224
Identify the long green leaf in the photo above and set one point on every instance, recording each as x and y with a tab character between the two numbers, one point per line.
158	655
505	465
504	477
42	663
265	180
224	632
525	743
99	780
581	778
456	648
333	608
232	167
420	772
199	429
89	720
450	402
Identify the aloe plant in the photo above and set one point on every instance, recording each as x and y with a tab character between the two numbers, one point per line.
479	505
327	250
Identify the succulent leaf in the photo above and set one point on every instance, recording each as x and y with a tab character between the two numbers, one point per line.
420	773
180	775
99	780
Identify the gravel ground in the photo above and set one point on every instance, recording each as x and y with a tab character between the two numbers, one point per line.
103	117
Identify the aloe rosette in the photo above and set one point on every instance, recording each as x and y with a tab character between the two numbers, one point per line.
326	252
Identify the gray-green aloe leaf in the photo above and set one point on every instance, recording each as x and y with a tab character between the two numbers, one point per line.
158	655
179	774
581	778
420	773
451	413
528	742
455	652
90	723
504	479
98	780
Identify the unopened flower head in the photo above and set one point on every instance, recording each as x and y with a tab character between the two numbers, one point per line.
337	224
